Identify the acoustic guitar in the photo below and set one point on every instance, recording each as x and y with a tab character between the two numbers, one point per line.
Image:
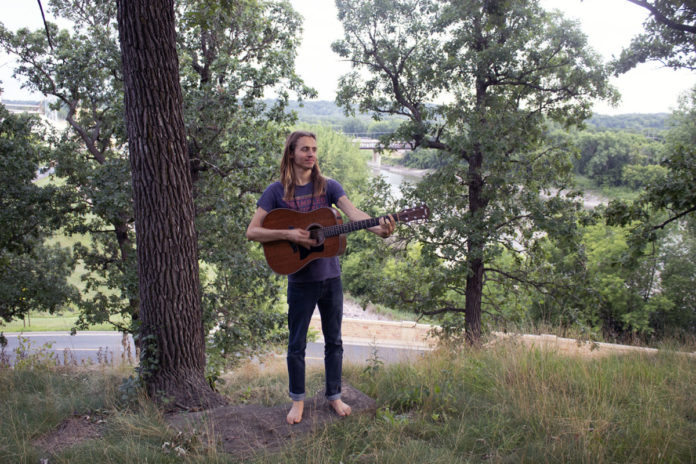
326	226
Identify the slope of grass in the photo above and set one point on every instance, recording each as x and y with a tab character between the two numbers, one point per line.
502	404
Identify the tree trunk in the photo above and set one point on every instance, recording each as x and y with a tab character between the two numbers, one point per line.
477	205
474	280
171	335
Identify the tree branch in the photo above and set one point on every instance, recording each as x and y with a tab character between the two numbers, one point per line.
446	309
662	19
674	218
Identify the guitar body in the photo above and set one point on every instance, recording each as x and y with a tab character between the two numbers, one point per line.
285	257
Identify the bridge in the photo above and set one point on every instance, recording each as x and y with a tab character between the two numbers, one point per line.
373	144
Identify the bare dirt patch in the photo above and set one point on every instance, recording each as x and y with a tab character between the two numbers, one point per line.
247	429
70	432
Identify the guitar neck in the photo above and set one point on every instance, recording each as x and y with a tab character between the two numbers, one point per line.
340	229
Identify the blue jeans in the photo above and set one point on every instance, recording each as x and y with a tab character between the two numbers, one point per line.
302	299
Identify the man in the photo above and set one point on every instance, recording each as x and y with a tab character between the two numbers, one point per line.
303	188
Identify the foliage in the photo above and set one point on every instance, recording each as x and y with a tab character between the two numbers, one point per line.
329	114
424	158
82	72
231	54
672	196
604	155
341	158
626	291
667	37
33	276
235	138
639	177
506	68
678	282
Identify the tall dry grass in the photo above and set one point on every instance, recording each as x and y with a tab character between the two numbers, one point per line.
507	403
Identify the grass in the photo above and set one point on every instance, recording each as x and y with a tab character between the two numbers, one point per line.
501	404
46	322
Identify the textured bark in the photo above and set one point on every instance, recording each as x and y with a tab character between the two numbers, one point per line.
477	205
172	340
474	281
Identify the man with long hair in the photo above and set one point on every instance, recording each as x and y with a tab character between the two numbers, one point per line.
303	188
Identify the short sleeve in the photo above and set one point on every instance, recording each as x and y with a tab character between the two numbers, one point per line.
334	191
270	198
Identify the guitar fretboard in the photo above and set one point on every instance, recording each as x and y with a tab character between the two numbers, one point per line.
339	229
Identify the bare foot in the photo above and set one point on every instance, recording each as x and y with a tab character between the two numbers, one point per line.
341	408
295	414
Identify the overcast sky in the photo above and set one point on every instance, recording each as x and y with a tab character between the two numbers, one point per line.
609	25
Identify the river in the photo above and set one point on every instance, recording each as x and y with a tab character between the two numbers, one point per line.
397	175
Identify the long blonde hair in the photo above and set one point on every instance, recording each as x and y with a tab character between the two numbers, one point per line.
287	173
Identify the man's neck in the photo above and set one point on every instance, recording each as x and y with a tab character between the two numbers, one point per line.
303	176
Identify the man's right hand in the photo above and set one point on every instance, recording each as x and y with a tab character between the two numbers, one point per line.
301	237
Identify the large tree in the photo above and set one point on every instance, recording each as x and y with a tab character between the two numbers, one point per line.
172	360
477	81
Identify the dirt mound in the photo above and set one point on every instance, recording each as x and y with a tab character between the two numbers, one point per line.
246	429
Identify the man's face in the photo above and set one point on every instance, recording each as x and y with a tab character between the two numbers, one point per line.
305	155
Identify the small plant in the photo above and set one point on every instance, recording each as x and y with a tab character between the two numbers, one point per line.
388	416
4	357
103	357
126	355
129	390
69	358
182	444
149	359
374	363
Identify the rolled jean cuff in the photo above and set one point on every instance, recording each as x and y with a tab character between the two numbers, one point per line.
297	396
334	397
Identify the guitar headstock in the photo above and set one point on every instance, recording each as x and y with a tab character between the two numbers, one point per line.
414	214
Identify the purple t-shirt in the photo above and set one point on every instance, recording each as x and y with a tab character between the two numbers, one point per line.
304	201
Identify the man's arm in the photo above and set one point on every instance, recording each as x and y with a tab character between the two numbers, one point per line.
385	227
258	233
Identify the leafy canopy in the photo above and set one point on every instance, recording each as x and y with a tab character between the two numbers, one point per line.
476	81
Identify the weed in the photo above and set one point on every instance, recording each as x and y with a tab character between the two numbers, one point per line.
30	356
374	363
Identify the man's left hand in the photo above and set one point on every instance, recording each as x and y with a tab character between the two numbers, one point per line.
386	226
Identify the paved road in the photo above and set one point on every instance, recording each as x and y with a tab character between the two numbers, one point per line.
95	347
84	347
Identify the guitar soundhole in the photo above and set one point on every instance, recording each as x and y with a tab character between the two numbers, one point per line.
316	233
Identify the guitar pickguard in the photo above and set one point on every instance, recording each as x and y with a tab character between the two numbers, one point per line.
304	252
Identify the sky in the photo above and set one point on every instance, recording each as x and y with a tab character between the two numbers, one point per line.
609	25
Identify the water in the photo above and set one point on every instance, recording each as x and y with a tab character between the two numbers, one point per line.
396	176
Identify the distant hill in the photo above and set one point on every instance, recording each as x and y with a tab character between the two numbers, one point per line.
326	112
633	122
